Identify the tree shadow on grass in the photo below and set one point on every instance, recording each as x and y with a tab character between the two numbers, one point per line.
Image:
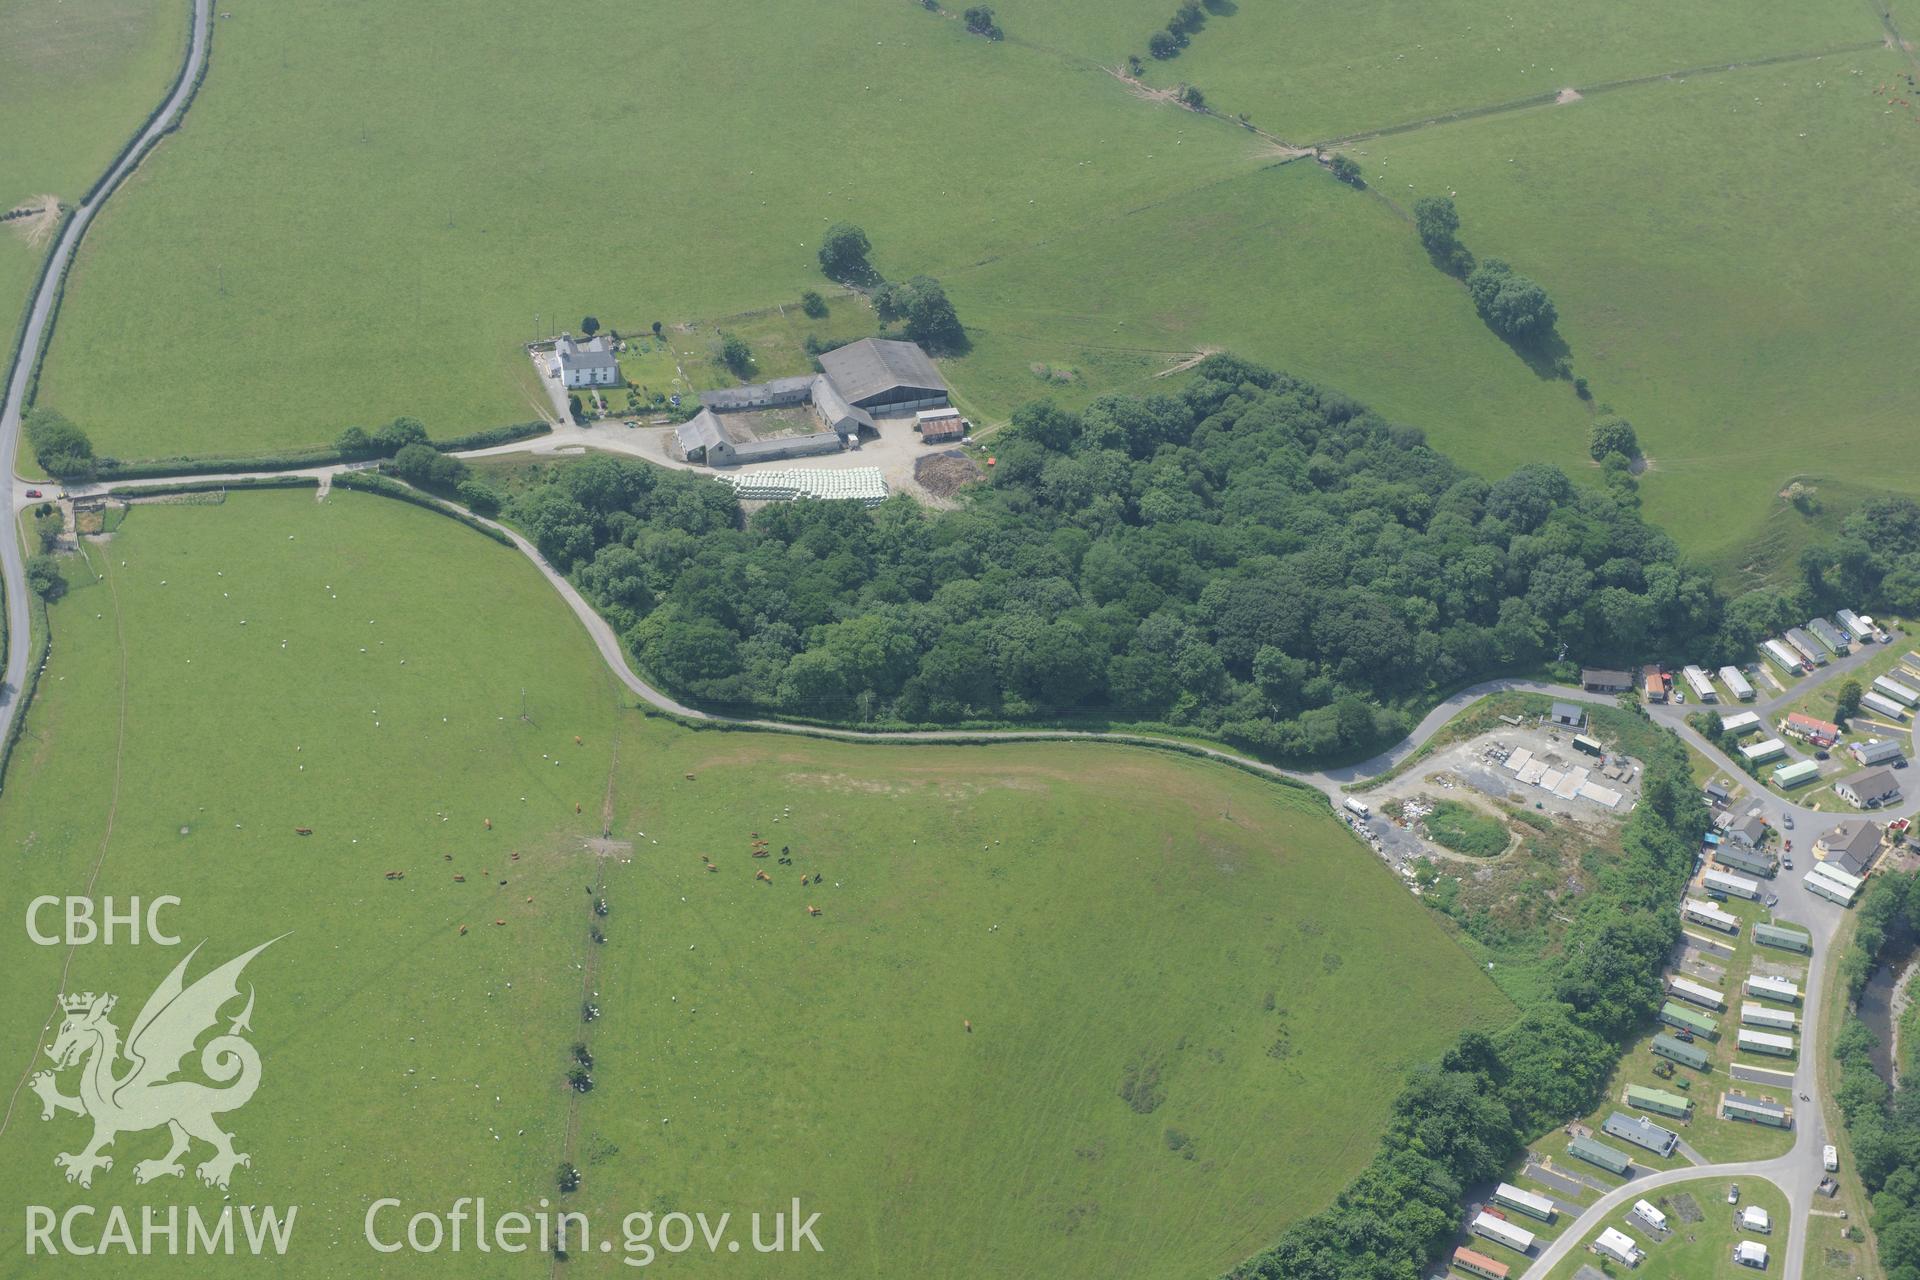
1546	353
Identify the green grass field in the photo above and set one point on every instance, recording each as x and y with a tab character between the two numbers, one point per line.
1313	74
1701	1249
75	81
1107	918
332	237
1727	289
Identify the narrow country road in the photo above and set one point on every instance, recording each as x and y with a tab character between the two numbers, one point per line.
13	566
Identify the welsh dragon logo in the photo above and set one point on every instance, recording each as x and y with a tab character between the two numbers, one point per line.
145	1094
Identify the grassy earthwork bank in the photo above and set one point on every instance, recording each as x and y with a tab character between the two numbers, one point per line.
1175	974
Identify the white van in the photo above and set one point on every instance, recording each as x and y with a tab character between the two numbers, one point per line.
1358	808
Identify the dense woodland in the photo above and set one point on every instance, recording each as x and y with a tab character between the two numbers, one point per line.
1254	558
1883	1125
1464	1119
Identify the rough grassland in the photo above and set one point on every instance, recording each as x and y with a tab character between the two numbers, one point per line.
1285	266
1311	72
1097	913
362	217
1730	287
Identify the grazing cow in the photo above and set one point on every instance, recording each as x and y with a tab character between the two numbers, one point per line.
761	875
463	931
489	822
459	879
396	875
303	831
576	739
499	921
711	867
812	910
968	1024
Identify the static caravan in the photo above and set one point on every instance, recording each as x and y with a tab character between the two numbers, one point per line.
1732	885
1831	637
1599	1155
1755	1111
1881	704
1751	1253
1831	890
1768	1042
1773	935
1905	695
1641	1132
1618	1245
1650	1215
1859	628
1754	1218
1806	646
1760	1015
1910	665
1479	1264
1678	1015
1758	864
1696	993
1658	1101
1797	774
1687	1055
1783	657
1530	1203
1739	722
1698	682
1764	750
1503	1232
1700	911
1759	984
1839	875
1737	683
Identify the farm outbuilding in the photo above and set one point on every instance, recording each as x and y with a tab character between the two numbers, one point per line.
1530	1203
1687	1055
1659	1101
1767	1042
1737	683
1869	788
940	426
1600	1155
1678	1015
1503	1232
1881	704
1773	935
1568	716
1796	774
884	376
1733	1106
1641	1132
1618	1245
1765	1016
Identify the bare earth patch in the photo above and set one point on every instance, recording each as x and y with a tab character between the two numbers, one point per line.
945	474
37	227
1566	96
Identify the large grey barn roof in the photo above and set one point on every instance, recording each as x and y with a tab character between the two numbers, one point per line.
874	366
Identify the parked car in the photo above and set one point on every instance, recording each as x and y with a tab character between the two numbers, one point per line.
1733	1193
34	493
1787	863
1789	846
1786	820
1822	755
